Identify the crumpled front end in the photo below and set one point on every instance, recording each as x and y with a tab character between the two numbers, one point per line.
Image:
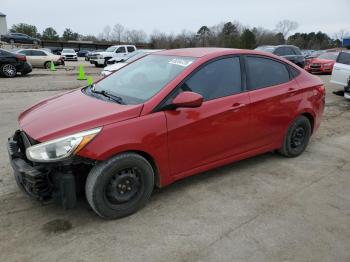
60	181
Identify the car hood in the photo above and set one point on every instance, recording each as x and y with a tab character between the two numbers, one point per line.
114	67
70	113
322	61
106	53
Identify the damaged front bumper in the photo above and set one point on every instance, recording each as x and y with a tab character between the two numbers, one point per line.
43	181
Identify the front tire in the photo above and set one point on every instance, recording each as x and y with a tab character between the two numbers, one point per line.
120	186
297	137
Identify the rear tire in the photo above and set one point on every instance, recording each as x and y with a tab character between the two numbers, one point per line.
297	138
120	186
8	70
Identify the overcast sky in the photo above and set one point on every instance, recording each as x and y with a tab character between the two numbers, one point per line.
90	17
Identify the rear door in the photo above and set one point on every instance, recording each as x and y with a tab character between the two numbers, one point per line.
341	69
130	49
217	129
28	54
274	99
38	58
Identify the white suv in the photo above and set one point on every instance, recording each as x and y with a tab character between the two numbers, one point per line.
69	54
341	72
101	58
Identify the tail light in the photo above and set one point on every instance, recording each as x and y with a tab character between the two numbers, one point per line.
321	89
22	58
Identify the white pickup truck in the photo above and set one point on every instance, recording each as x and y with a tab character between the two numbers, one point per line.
341	72
100	59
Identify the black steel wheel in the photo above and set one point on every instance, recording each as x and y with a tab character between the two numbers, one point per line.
120	186
123	186
297	137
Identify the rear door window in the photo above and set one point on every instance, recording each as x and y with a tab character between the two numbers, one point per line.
26	52
282	51
217	79
131	49
38	53
264	72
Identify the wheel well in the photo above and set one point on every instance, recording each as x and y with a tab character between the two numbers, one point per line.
311	119
153	163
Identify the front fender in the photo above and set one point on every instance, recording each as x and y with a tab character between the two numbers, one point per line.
146	134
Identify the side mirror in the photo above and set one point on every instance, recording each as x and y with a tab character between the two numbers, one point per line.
188	99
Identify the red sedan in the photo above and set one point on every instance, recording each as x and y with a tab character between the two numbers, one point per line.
164	117
322	64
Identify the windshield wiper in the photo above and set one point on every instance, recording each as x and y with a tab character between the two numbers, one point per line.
115	98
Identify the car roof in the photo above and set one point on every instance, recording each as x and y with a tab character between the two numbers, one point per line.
205	51
276	46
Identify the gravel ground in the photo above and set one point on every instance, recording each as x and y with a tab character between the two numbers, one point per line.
267	208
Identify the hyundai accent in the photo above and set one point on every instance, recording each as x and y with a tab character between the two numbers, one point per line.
164	117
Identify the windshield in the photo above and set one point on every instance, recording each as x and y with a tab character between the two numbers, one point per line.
268	49
110	49
69	51
329	56
139	81
134	56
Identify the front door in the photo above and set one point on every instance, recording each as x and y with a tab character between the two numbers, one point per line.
216	130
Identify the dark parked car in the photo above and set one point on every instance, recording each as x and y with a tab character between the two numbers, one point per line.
11	64
83	53
19	38
289	52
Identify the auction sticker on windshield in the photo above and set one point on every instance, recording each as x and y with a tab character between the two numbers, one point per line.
180	62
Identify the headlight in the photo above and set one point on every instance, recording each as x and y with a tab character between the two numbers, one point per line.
60	148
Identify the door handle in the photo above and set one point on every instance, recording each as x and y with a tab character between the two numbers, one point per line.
291	91
237	106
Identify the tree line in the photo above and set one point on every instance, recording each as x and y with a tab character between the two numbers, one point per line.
229	34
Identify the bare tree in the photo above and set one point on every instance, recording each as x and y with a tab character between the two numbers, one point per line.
107	33
117	32
286	26
136	36
341	34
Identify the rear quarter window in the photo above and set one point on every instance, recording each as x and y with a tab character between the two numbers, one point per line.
264	72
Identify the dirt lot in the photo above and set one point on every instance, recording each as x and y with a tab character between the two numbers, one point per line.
267	208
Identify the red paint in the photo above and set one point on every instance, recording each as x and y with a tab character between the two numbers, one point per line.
183	141
323	65
188	99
